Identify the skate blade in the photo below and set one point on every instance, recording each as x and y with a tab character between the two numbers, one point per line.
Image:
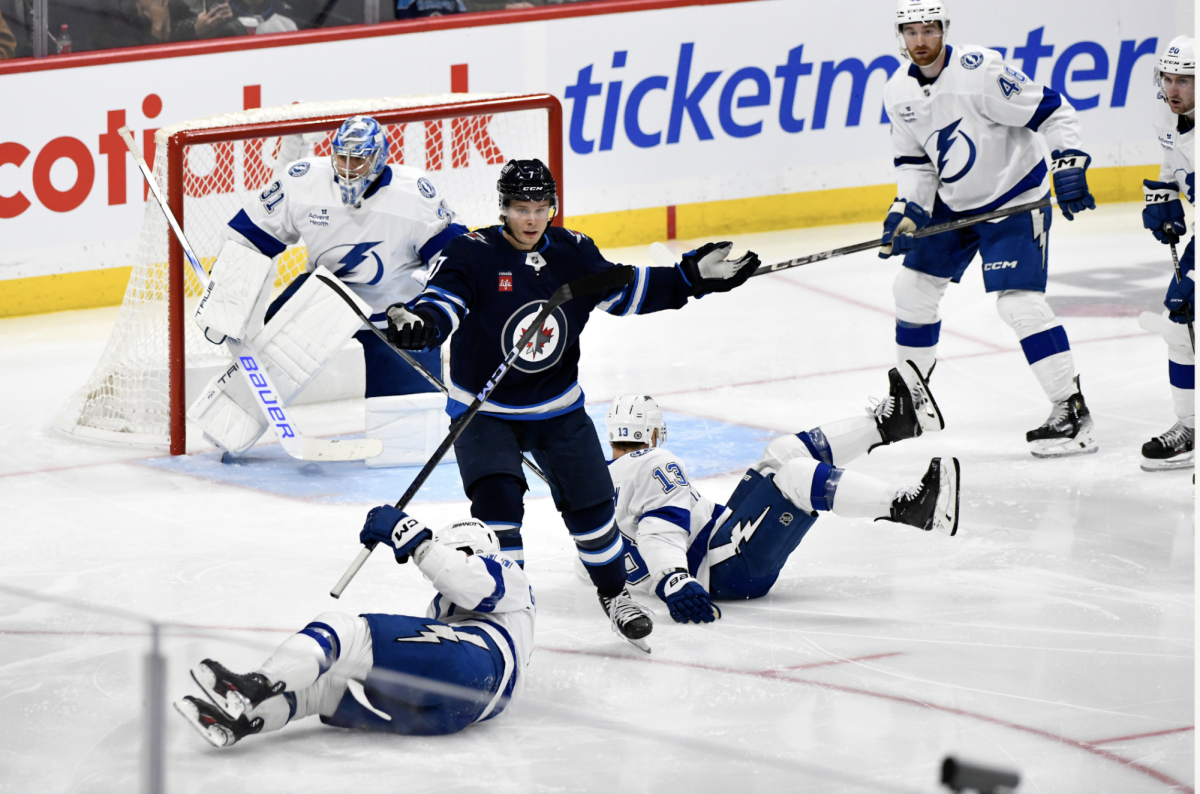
929	416
642	645
1083	444
213	734
1180	462
234	705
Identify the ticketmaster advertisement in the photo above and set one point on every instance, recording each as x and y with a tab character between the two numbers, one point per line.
673	106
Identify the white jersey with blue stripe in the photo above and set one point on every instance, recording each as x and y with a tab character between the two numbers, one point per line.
971	135
489	592
1179	150
375	249
660	513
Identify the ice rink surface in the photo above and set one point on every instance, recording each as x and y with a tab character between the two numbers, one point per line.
1053	635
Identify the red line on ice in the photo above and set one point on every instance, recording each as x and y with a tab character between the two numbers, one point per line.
1141	735
832	662
776	675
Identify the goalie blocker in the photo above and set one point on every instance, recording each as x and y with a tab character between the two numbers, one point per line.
296	345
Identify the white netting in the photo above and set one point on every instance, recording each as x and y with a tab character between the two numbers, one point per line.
126	400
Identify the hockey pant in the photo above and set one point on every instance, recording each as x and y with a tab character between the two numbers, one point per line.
383	673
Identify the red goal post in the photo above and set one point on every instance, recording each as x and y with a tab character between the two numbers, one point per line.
208	167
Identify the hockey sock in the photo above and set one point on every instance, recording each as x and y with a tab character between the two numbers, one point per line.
815	486
918	326
322	698
862	496
275	711
599	544
846	439
1181	364
918	344
332	640
496	500
1043	339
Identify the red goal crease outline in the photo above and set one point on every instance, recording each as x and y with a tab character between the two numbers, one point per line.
347	32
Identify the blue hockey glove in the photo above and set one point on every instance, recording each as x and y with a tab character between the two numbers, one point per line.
411	329
395	528
1069	168
687	600
904	218
1181	299
707	269
1163	214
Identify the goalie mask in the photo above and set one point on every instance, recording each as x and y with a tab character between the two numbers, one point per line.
633	418
526	180
471	536
360	151
928	11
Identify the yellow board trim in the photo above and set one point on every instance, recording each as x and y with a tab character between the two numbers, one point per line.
93	288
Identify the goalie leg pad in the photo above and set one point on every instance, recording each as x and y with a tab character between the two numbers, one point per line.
305	334
411	426
238	284
228	414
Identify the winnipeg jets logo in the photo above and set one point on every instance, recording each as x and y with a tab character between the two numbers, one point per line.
544	348
958	159
579	236
438	632
476	236
353	263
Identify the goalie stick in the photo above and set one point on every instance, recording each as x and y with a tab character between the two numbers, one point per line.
597	283
429	376
663	256
246	360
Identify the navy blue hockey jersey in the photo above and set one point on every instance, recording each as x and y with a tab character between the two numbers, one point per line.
487	292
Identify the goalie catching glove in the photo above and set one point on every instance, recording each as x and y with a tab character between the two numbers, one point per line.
394	528
707	269
903	219
687	600
410	330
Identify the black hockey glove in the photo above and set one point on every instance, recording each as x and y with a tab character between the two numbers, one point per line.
708	270
385	524
411	330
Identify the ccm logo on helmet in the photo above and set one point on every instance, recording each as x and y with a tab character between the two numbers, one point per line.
999	265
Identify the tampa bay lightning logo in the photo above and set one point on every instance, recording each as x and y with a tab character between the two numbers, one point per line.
426	188
972	60
353	263
959	159
546	346
299	169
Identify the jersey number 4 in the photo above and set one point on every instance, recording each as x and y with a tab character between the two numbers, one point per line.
670	483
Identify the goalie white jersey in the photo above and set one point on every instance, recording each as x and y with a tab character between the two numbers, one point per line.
375	249
971	135
488	591
660	513
1179	150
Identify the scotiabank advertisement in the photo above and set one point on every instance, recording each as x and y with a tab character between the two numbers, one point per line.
670	106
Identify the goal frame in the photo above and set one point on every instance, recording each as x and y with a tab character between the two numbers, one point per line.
180	141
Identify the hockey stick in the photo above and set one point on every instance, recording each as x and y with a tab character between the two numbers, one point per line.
429	376
246	361
597	283
1179	280
961	223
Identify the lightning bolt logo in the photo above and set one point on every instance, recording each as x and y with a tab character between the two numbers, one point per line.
743	531
356	256
947	137
439	632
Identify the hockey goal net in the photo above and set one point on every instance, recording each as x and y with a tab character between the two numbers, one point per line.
208	168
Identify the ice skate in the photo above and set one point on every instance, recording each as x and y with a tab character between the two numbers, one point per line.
1174	449
1068	430
934	503
232	693
909	409
629	619
217	729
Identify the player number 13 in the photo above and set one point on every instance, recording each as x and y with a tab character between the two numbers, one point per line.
676	477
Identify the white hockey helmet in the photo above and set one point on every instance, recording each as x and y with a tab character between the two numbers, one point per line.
921	11
470	535
1179	57
633	418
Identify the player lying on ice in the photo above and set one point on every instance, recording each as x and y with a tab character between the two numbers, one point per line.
967	134
460	664
690	551
486	288
366	223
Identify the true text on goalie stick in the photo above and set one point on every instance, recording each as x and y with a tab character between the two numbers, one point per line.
597	283
429	376
246	360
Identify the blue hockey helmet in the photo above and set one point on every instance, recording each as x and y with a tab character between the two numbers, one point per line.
363	138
